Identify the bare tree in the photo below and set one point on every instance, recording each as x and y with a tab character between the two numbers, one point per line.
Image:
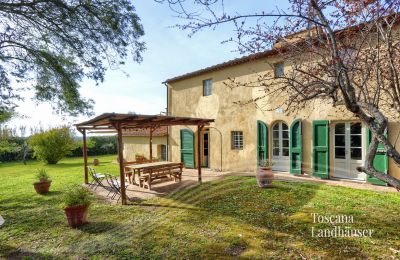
345	52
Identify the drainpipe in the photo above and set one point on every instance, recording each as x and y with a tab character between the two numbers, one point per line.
167	113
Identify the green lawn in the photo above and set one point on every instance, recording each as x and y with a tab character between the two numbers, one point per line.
221	219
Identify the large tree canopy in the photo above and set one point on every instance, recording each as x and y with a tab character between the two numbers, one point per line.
342	52
51	45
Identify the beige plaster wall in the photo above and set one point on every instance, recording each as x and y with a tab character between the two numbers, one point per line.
140	145
186	99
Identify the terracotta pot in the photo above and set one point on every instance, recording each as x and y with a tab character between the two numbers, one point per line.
42	187
76	215
139	159
96	162
264	176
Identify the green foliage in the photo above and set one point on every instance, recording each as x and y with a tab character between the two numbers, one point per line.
5	115
14	149
56	44
41	175
52	145
97	145
76	195
7	146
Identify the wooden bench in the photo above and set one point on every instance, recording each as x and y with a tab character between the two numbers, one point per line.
171	171
129	172
175	171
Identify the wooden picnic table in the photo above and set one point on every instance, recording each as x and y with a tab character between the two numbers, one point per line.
139	168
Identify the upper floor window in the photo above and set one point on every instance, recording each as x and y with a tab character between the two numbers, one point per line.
207	87
237	140
279	69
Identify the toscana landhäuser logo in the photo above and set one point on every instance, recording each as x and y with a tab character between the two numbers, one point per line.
341	226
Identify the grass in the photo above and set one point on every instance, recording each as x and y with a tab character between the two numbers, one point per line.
220	219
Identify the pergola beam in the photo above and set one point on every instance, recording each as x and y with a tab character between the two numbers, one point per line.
199	128
151	144
85	159
121	164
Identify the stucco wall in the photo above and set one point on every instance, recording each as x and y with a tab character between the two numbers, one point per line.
140	145
186	99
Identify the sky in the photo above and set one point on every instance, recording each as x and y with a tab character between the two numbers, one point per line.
138	87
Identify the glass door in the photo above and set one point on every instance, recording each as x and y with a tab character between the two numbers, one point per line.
205	149
348	150
280	147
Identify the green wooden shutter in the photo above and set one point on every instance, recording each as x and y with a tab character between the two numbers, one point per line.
262	141
320	140
380	160
296	147
187	148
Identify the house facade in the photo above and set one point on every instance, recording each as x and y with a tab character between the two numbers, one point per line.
137	142
320	140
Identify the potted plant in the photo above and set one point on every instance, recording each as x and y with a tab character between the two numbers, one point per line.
42	186
76	203
96	162
140	158
264	175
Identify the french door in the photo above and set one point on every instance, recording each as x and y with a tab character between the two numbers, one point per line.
205	157
280	147
348	150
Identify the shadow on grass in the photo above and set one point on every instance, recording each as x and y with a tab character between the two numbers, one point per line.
13	253
155	205
270	209
98	227
52	193
63	165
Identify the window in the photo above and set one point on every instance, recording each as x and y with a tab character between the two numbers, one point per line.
237	140
207	85
348	55
163	152
279	69
280	139
356	141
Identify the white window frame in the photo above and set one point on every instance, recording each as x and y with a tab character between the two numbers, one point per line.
237	140
279	69
207	87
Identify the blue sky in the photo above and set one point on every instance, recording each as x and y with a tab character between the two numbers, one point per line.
170	52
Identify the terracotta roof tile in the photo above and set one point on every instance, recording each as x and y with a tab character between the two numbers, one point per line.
161	131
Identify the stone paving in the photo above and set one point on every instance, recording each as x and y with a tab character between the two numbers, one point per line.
190	178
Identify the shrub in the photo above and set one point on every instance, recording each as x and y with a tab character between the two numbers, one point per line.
52	145
14	148
76	195
97	145
41	175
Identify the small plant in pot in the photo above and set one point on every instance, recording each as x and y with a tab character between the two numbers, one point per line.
42	186
76	200
96	162
264	175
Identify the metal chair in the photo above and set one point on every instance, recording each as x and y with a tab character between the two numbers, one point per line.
97	178
115	186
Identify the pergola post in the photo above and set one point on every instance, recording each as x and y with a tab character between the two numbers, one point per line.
85	163
151	143
199	128
121	164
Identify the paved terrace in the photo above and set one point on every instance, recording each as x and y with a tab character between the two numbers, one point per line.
189	178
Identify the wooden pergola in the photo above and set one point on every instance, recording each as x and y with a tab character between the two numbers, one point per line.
113	122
